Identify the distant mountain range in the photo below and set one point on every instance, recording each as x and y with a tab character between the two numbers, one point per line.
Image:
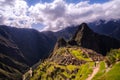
110	28
22	48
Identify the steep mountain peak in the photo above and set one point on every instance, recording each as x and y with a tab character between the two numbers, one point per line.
87	38
60	43
83	32
84	28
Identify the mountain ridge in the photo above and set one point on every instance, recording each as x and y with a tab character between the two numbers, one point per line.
87	38
26	42
12	61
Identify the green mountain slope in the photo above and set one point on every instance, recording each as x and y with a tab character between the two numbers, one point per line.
109	70
74	64
67	63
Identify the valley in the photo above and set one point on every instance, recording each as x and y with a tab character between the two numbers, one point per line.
82	55
59	39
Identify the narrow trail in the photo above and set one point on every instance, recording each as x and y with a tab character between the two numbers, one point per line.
95	70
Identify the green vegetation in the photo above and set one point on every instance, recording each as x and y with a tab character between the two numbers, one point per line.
59	66
51	69
84	71
71	67
109	73
101	71
80	55
113	73
56	72
113	56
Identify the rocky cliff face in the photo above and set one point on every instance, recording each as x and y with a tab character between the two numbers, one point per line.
60	43
85	37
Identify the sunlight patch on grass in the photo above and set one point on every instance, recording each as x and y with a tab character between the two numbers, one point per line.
80	55
71	67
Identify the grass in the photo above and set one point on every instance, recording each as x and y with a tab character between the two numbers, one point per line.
51	70
100	72
68	72
113	73
84	71
71	67
80	55
113	56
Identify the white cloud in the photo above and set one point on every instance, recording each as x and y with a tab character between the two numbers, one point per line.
57	14
13	12
6	2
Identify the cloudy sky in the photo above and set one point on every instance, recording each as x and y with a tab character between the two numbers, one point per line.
56	14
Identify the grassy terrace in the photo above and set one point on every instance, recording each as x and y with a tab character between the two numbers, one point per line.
84	71
79	54
113	73
53	71
50	70
101	71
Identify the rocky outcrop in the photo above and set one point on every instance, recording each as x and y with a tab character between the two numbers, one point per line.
60	43
87	38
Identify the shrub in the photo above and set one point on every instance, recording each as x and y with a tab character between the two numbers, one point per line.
113	56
